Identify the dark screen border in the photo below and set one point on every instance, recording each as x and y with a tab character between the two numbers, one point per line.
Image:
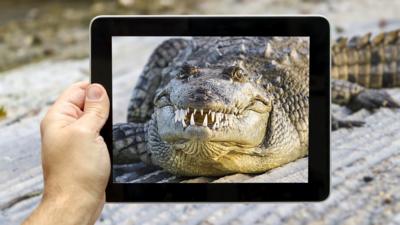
315	27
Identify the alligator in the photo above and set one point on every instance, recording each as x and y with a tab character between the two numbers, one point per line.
212	106
360	67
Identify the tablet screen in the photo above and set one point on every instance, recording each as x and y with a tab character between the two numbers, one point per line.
210	109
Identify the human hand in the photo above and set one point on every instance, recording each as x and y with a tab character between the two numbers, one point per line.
75	160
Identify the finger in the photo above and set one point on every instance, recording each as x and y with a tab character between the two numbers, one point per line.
96	108
73	95
68	107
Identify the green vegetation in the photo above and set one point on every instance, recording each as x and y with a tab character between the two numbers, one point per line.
3	112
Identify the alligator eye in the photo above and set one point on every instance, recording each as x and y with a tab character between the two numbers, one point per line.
239	74
187	70
182	75
236	73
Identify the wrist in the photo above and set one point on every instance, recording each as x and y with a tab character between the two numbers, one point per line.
65	210
74	207
69	200
69	193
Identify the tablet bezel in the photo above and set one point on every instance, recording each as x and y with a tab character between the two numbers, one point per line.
103	28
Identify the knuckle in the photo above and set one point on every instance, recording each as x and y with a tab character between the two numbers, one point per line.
81	131
98	113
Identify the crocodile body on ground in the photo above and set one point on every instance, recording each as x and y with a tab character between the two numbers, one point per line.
360	67
211	106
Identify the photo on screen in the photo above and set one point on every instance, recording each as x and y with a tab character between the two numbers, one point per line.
210	109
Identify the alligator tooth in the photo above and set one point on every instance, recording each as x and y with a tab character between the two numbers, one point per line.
219	117
226	116
181	115
192	119
184	113
194	112
214	126
205	121
231	120
176	116
184	124
201	111
213	116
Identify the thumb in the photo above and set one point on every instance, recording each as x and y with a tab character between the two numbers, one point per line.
96	108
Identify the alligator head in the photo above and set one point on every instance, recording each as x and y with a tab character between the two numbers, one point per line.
214	102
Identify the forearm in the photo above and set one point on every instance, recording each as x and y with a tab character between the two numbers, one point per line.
65	210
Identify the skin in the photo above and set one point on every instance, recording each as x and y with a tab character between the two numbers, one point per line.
75	160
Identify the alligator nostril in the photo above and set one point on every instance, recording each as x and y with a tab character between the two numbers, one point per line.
201	91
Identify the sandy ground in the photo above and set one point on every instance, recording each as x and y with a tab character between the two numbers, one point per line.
365	161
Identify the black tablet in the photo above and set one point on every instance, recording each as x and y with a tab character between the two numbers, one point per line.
215	108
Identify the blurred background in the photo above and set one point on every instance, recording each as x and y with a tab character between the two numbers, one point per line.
44	47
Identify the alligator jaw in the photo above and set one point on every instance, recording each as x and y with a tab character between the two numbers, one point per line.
212	119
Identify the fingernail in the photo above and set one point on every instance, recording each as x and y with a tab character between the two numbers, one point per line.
94	92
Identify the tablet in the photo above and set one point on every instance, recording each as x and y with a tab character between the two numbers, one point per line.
215	108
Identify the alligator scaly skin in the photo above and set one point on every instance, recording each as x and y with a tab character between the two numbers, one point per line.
212	106
362	66
372	62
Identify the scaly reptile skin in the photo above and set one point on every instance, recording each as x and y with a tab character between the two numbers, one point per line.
366	62
212	106
372	62
362	65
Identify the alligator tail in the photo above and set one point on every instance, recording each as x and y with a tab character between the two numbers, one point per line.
373	62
